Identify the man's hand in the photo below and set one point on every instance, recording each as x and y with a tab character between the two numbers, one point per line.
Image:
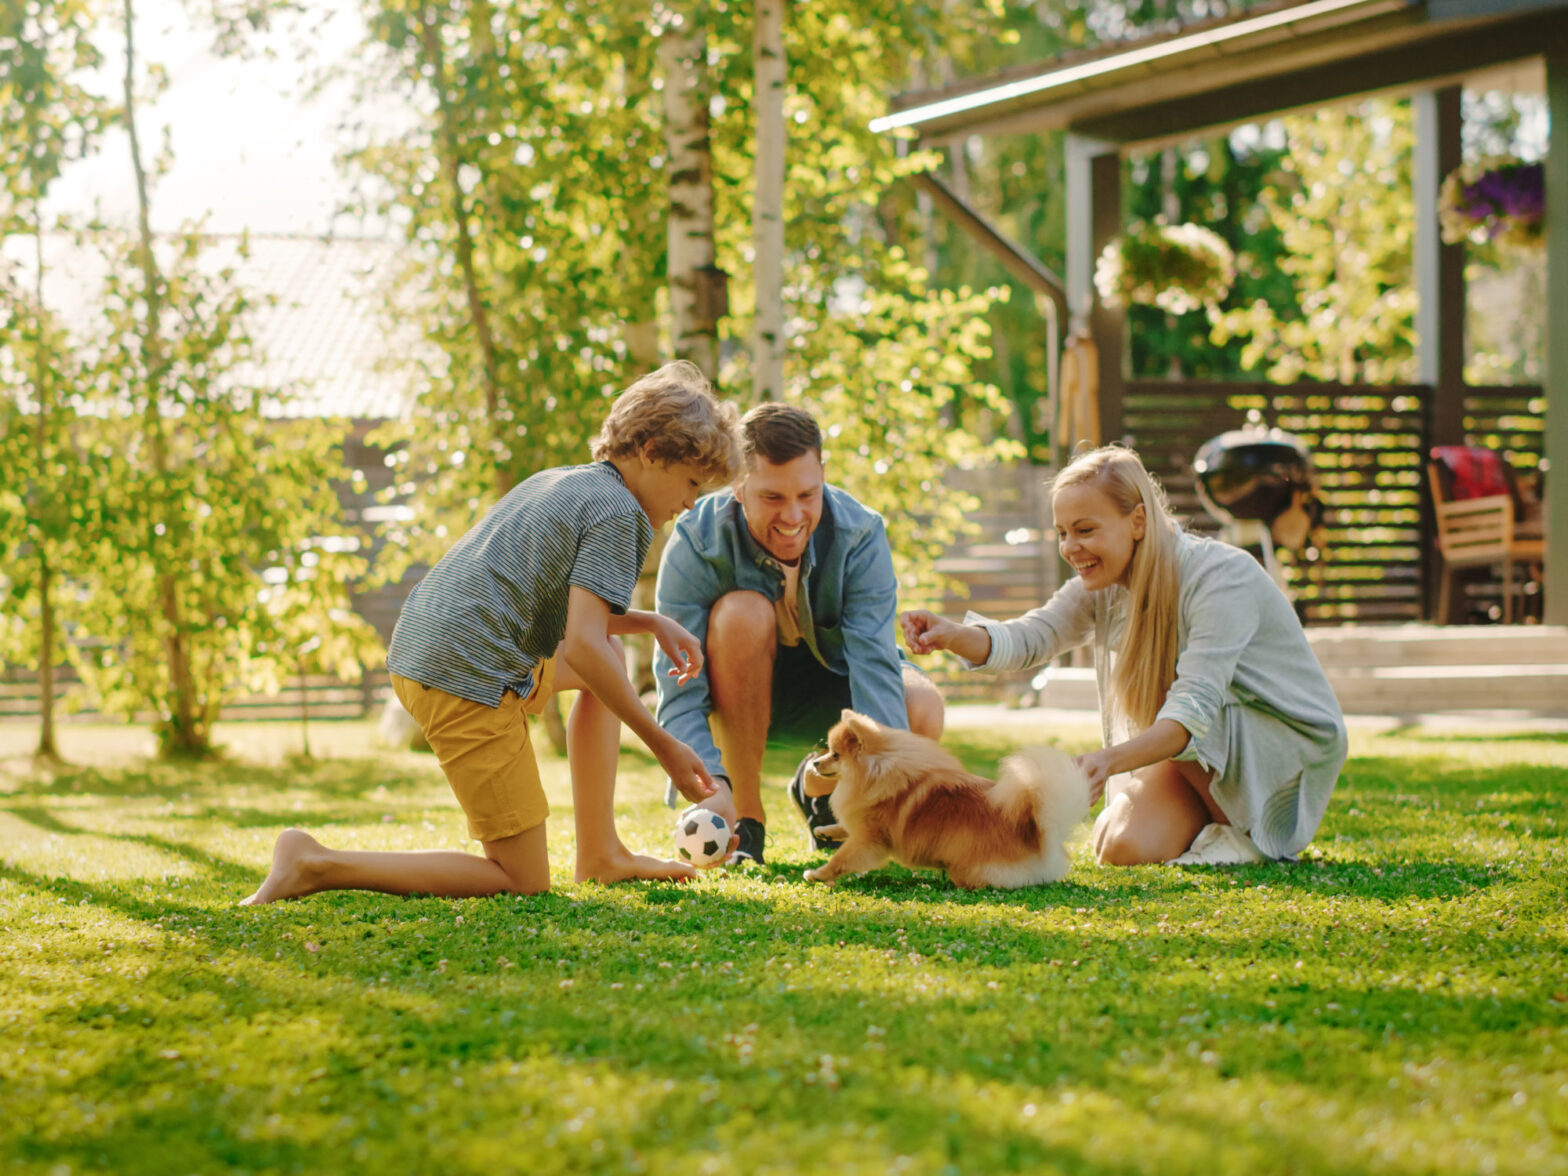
685	769
681	648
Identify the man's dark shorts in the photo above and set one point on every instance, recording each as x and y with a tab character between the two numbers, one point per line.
808	698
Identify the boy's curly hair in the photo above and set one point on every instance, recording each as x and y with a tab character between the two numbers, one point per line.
674	413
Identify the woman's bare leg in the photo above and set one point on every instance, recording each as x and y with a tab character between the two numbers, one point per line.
1156	816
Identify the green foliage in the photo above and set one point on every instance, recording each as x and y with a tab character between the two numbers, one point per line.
1219	184
1343	206
46	488
1178	268
1392	1004
550	123
46	118
204	486
886	361
541	124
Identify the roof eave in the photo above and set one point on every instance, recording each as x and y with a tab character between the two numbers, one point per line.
1052	98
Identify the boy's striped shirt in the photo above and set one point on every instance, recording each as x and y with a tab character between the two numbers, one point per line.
494	607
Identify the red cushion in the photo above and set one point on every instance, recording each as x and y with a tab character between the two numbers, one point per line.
1475	472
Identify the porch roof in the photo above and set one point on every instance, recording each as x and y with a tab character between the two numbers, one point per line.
1240	67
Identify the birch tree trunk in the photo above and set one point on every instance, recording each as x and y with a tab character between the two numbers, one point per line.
184	738
47	748
683	60
768	210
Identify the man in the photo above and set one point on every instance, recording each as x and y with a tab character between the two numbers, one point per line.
788	583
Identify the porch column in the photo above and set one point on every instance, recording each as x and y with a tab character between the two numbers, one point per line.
1440	307
1556	382
1094	220
1440	269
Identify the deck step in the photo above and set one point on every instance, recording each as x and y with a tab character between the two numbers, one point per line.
1411	670
1430	645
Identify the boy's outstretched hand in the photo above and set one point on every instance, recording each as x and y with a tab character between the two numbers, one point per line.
685	769
681	648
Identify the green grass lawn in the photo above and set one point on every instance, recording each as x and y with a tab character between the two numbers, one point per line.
1397	1002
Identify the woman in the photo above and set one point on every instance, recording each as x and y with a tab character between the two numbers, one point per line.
1209	693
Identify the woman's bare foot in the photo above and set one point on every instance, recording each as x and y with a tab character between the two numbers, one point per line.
621	865
295	858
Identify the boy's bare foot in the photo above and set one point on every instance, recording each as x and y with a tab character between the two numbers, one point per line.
293	874
624	866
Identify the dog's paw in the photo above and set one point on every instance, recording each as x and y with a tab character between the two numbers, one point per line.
816	876
831	832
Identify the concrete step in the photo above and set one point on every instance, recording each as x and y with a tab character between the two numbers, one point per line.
1364	646
1416	689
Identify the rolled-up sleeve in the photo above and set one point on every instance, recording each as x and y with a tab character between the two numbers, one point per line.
876	680
685	592
1221	618
1061	624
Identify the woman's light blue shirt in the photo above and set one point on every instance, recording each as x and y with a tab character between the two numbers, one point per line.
1249	691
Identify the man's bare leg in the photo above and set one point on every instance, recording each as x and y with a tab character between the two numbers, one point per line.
301	865
742	647
593	752
923	702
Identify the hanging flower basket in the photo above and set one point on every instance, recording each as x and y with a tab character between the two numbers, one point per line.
1494	200
1178	268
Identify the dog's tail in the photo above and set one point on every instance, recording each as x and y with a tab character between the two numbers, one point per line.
1044	783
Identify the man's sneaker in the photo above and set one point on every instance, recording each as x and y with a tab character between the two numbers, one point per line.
817	810
1220	845
751	833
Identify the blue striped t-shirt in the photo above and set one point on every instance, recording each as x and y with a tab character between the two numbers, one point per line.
494	607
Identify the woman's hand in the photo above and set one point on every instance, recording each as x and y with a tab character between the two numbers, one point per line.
1096	767
681	648
925	632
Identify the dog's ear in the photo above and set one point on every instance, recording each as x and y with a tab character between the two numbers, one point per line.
858	729
844	739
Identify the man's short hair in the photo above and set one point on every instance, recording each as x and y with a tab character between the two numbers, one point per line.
673	413
779	433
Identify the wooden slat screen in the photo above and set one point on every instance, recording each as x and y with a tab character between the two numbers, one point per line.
1367	446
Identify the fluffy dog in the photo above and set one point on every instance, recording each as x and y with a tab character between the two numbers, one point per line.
901	797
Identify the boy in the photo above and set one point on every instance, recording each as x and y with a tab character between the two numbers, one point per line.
528	602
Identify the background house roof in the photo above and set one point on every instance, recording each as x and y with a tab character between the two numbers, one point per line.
320	320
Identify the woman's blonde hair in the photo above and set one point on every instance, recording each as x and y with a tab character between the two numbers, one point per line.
1146	659
673	416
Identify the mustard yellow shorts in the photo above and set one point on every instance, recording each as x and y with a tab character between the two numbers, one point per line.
485	752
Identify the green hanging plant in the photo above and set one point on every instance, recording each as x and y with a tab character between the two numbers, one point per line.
1178	268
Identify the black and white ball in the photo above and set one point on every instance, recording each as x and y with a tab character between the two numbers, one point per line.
702	837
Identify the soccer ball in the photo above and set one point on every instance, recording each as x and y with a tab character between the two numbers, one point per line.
702	837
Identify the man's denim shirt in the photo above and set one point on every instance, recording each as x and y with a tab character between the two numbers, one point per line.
848	605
